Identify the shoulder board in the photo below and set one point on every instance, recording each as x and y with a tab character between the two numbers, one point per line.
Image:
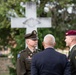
22	51
19	54
38	50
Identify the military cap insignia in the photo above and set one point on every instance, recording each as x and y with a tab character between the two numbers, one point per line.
66	33
34	32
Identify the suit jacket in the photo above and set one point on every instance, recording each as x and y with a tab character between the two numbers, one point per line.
72	58
50	62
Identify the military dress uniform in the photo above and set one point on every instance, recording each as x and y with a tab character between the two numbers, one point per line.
72	53
72	59
24	62
24	57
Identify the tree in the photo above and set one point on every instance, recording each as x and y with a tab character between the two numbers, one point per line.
62	20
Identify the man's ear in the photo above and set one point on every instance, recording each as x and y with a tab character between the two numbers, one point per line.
54	43
43	43
27	40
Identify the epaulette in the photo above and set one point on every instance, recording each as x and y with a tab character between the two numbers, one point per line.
19	54
22	51
38	50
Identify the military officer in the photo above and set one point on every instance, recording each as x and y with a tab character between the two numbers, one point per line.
24	57
70	39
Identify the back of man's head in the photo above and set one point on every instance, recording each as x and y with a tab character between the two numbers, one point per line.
49	40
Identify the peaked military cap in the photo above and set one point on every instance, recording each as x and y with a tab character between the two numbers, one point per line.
32	35
70	32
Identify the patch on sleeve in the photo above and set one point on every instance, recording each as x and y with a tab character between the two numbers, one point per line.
18	56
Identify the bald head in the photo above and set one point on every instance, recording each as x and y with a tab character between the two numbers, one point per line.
49	40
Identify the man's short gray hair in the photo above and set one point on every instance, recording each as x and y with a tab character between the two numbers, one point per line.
49	38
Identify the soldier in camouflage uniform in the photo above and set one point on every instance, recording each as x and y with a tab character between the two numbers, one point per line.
24	57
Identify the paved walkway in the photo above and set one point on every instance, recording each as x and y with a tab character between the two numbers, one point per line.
4	63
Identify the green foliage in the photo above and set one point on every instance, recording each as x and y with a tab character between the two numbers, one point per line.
60	23
60	43
19	38
3	55
12	71
3	38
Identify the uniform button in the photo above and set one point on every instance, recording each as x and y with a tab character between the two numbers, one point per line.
31	55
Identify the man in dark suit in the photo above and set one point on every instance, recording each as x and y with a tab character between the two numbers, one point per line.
70	40
49	61
24	57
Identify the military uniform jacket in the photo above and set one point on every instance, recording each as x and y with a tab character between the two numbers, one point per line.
24	62
72	58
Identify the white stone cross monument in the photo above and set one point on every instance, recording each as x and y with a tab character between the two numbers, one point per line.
30	22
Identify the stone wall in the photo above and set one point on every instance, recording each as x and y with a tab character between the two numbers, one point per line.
4	63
